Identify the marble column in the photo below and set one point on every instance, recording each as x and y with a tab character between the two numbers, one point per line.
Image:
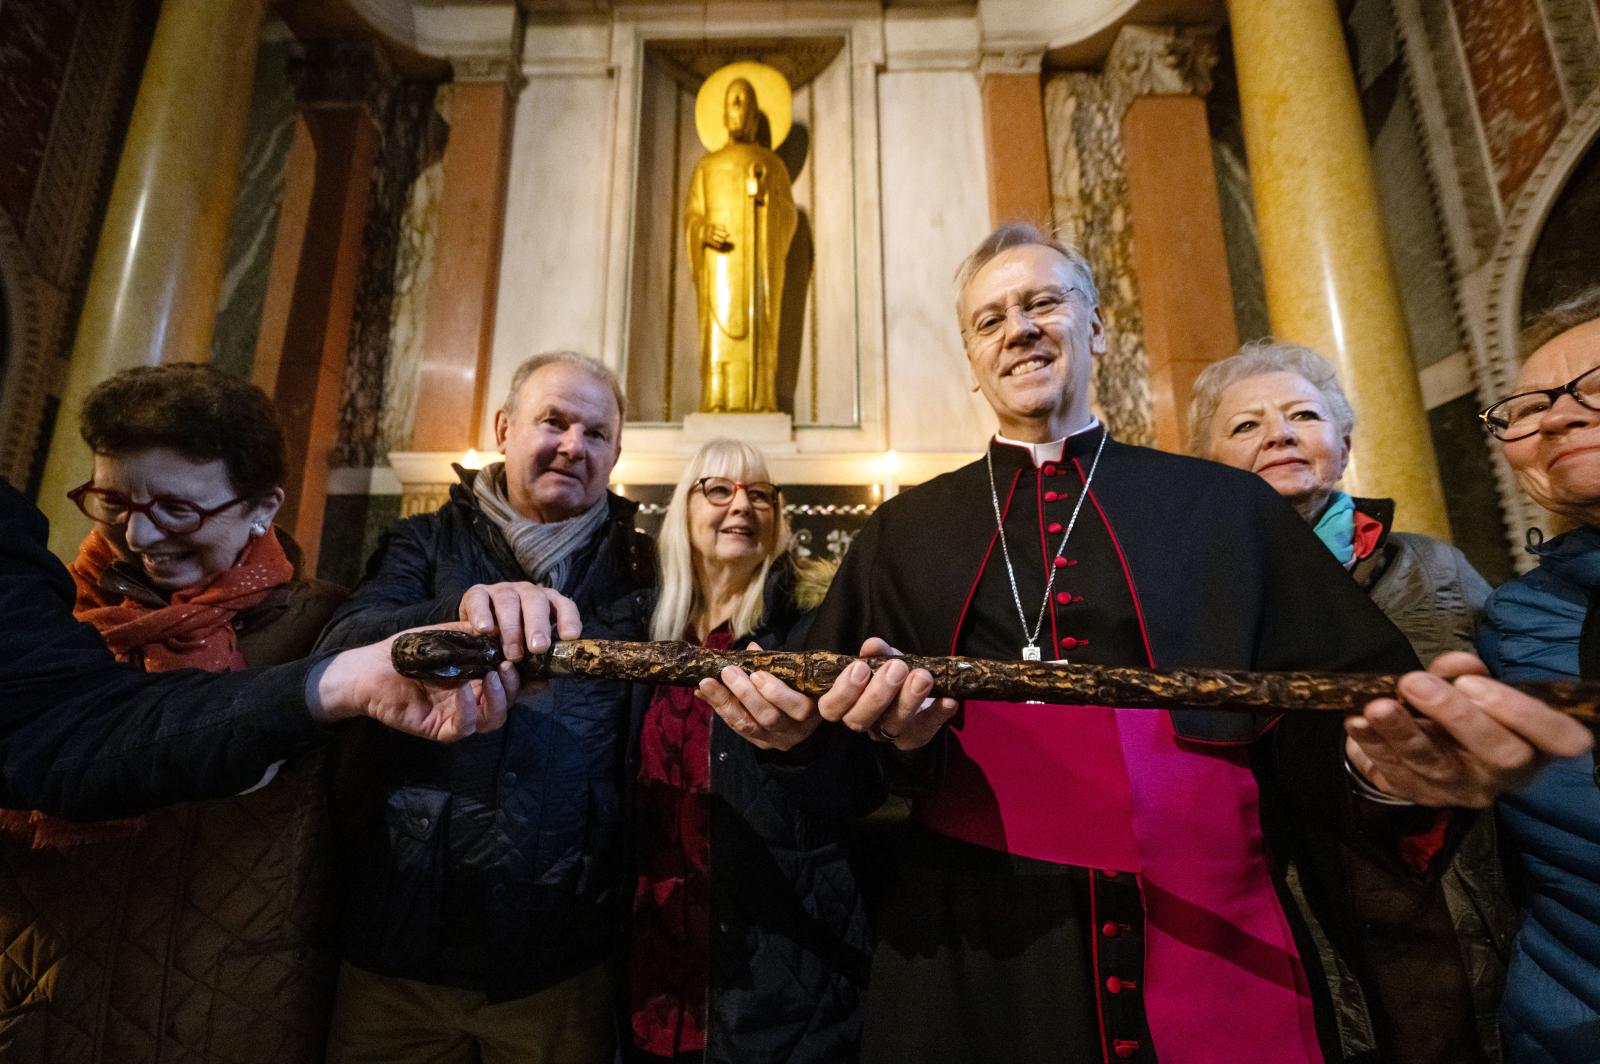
152	294
304	339
1014	139
1158	78
458	324
1324	253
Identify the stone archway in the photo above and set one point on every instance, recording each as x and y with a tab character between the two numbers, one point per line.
1492	296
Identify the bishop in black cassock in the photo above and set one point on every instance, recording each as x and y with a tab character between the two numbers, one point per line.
1084	883
996	941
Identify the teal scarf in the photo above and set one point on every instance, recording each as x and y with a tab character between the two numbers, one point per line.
1337	527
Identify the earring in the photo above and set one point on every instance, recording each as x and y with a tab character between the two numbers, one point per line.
258	529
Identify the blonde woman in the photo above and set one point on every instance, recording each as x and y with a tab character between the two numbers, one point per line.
749	938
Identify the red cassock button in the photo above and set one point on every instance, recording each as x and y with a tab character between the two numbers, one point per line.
1049	470
1051	496
1067	644
1114	985
1110	929
1055	526
1062	563
1124	1050
1064	598
1109	873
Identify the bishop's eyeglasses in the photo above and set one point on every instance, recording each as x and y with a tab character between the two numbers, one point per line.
719	491
1516	417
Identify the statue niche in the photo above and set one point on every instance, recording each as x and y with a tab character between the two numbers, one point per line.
738	223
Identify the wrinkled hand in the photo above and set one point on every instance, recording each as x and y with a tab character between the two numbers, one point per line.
891	704
524	614
761	707
362	682
1475	737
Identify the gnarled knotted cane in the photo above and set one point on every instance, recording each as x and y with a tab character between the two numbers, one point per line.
443	655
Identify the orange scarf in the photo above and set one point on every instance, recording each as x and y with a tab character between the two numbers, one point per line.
193	631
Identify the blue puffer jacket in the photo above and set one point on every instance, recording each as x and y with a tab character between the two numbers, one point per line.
1531	631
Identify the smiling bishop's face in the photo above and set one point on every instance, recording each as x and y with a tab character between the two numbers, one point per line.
1031	337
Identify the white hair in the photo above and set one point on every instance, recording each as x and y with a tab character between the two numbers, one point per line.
1255	359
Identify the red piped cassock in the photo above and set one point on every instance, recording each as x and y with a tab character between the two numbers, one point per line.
1086	883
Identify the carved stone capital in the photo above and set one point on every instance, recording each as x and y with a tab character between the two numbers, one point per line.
340	74
1159	61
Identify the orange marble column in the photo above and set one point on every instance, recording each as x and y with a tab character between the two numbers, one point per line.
458	326
1185	298
1324	247
1014	140
304	340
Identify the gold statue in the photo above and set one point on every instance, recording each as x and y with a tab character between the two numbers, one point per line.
738	223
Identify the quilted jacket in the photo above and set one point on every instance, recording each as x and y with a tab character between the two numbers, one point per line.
200	939
495	863
1545	625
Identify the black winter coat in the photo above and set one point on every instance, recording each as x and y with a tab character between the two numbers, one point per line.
790	944
494	864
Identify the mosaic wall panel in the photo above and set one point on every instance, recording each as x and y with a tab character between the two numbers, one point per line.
1514	83
1089	188
411	137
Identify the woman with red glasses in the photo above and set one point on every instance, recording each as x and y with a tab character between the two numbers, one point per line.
749	938
194	931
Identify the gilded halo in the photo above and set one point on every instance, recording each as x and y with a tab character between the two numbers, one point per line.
773	96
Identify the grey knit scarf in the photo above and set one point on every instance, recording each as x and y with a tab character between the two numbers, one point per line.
543	549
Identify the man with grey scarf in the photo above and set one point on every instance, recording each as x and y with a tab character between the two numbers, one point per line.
483	889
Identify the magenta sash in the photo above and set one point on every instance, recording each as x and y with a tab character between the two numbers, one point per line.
1116	789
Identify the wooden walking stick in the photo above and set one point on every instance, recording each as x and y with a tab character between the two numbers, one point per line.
444	655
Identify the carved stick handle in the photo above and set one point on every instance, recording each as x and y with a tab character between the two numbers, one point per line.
450	655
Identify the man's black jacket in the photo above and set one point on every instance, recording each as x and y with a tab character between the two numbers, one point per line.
494	864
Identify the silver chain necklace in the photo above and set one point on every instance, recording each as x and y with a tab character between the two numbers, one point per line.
1030	650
